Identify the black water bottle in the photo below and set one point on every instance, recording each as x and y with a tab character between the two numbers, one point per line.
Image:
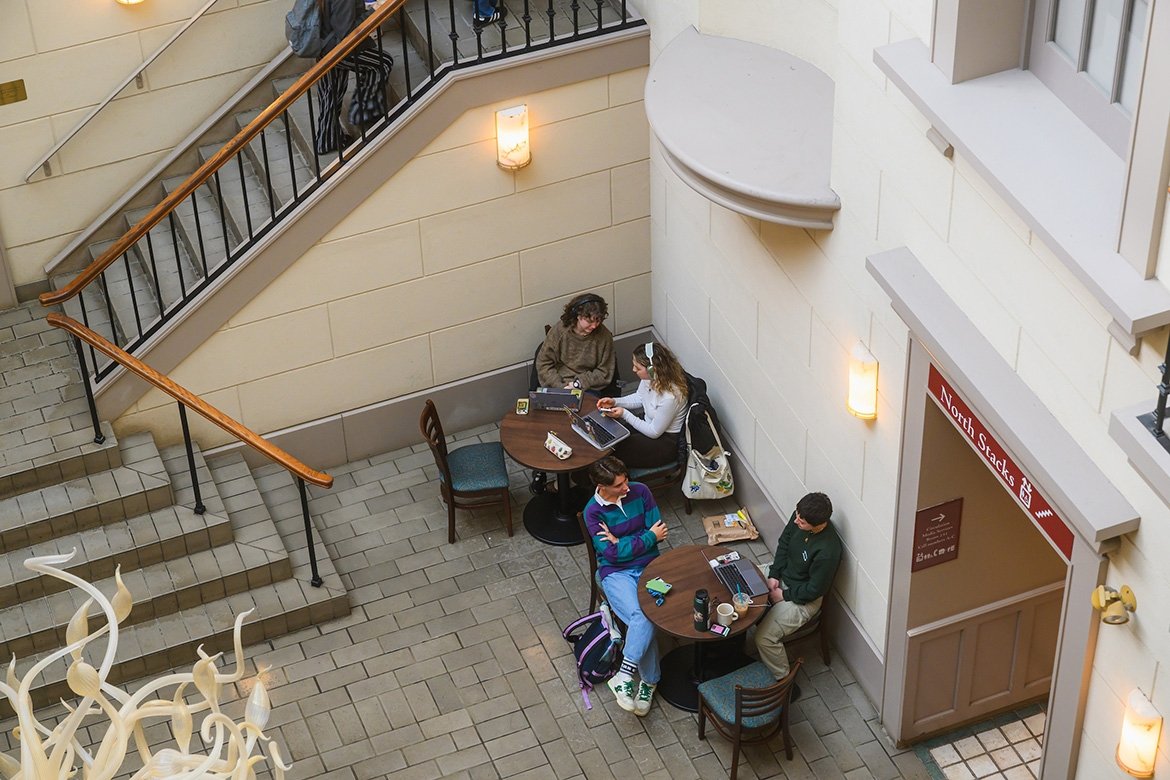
702	609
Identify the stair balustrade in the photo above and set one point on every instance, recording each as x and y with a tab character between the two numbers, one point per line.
186	399
174	251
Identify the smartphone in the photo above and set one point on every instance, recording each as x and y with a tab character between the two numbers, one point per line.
522	406
720	630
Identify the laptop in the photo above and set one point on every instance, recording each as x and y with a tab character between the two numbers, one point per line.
597	429
555	399
744	574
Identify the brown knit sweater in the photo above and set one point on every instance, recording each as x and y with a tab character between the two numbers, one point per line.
565	356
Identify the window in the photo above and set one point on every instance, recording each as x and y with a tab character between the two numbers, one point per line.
1089	53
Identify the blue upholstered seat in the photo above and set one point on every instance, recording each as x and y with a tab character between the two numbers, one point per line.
720	694
638	475
478	467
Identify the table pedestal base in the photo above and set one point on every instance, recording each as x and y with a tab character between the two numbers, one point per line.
683	668
552	518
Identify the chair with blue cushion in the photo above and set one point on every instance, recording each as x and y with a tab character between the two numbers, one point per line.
475	471
748	700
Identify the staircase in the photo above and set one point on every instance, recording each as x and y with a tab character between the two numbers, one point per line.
224	217
127	503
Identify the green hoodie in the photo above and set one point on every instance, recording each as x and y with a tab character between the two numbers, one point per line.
806	562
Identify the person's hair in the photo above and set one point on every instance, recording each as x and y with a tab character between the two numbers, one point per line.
815	508
666	373
606	471
588	305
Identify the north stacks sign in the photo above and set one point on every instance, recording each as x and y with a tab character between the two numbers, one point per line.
996	457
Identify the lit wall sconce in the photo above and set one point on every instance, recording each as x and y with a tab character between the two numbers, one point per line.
1114	605
1137	750
863	373
128	2
512	148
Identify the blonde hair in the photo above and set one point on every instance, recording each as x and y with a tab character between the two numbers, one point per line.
666	373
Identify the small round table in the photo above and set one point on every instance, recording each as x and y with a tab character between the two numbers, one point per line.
687	570
551	518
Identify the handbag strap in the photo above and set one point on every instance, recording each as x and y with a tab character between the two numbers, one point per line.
711	425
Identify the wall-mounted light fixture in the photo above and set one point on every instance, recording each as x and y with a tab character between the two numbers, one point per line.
1114	605
1137	750
512	148
128	2
863	373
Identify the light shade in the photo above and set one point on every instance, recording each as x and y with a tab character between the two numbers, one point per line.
1137	750
128	2
512	148
863	374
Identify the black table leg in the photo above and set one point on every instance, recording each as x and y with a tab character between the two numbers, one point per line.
553	518
685	667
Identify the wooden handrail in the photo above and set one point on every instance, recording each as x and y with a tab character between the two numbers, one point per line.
229	150
191	401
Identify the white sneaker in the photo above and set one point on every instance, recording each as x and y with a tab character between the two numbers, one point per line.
644	699
622	686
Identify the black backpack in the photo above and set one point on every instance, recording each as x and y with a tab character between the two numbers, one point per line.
702	437
304	27
597	646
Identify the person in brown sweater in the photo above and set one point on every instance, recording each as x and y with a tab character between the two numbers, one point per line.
578	350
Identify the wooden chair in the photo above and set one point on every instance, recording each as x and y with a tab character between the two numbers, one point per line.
813	628
473	471
595	594
748	700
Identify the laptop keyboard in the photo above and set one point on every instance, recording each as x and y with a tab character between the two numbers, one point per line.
599	434
729	575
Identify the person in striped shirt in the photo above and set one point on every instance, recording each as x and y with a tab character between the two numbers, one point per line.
626	529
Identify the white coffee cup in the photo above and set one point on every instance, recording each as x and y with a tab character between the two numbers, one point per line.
725	614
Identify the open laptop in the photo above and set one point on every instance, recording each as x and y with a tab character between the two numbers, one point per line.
744	574
597	429
555	399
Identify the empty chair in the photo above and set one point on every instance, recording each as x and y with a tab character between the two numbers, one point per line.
471	471
748	705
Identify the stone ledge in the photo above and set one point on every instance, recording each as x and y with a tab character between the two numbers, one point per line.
1143	451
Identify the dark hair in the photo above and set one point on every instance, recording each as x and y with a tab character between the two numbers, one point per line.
666	374
606	471
815	508
588	305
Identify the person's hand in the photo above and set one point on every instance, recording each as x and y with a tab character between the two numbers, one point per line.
773	583
606	535
775	595
659	530
605	403
616	413
569	386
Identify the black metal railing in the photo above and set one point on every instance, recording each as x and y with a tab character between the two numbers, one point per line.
260	177
188	400
1155	421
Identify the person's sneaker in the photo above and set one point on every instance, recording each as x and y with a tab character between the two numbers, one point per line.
499	13
623	690
644	699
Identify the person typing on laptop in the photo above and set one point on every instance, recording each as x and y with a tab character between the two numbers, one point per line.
807	556
662	397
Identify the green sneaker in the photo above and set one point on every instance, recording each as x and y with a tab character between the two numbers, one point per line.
644	698
623	690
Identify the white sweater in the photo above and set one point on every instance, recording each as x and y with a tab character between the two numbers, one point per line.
663	412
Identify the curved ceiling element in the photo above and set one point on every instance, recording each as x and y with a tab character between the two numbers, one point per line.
746	126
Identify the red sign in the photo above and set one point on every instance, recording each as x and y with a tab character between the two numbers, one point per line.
997	458
936	534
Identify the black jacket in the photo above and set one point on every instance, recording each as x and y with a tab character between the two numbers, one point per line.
341	17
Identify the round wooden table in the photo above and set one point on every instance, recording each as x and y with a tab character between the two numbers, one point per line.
551	518
687	570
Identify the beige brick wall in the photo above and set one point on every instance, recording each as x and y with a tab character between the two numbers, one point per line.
71	56
450	269
780	308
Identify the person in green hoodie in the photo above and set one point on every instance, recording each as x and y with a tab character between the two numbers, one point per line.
806	561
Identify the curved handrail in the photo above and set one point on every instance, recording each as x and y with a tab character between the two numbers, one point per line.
190	400
118	89
229	150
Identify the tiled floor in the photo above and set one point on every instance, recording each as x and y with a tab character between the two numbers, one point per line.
1007	747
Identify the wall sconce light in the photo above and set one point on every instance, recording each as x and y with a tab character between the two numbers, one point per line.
513	151
128	2
1114	605
863	373
1137	750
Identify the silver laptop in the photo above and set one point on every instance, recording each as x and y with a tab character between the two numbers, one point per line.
597	429
744	574
554	399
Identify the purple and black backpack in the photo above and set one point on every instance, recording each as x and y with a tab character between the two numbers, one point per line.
597	646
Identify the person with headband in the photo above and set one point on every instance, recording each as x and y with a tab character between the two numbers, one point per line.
626	527
578	350
662	397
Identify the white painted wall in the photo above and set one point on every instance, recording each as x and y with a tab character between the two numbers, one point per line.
71	56
768	314
451	269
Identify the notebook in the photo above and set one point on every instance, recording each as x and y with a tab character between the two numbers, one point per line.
555	399
597	429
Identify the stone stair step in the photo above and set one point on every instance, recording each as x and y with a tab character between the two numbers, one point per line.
244	195
129	289
298	114
66	456
87	501
96	315
288	179
162	252
174	279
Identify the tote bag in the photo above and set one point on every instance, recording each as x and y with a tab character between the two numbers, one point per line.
708	474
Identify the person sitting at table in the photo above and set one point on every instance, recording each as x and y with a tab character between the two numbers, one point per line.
662	397
806	561
578	349
626	529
